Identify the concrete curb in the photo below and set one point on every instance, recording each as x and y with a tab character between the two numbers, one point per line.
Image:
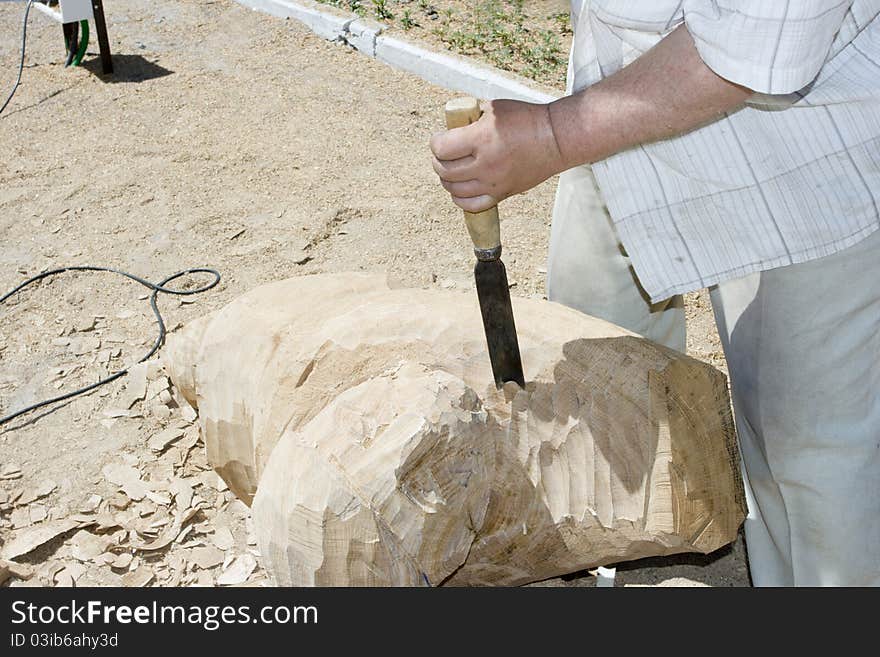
363	34
321	20
443	69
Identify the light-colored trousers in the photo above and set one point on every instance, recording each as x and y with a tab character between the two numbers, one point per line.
803	350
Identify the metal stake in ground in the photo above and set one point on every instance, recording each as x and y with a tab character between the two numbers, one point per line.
489	273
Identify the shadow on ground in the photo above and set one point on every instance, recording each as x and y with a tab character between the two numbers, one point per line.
127	68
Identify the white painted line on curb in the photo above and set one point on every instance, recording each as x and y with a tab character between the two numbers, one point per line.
454	72
448	71
326	24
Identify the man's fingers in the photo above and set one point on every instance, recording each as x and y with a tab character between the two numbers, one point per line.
455	162
467	189
452	144
459	170
475	203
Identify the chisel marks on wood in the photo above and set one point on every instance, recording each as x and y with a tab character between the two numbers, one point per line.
385	455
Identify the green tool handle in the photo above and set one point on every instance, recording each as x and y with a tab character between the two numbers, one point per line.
83	43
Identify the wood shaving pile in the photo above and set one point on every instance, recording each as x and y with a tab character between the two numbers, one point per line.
158	518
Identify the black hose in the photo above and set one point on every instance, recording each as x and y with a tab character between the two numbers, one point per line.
155	287
27	11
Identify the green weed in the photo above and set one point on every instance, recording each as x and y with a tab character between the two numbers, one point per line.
510	34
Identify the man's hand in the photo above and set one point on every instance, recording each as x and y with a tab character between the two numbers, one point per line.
509	150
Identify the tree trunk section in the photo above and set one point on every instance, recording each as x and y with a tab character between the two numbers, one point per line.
363	425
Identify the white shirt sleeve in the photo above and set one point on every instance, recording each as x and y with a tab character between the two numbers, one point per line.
769	46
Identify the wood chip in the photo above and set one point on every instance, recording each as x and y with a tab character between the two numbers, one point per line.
135	386
138	578
204	527
158	524
182	492
163	439
9	569
119	412
207	557
211	479
47	572
64	579
85	546
46	488
174	580
238	508
160	411
21	517
159	472
119	500
187	412
30	539
223	538
145	508
38	513
238	571
158	498
10	471
183	534
91	505
191	439
105	521
127	478
69	574
204	578
33	493
158	385
121	560
169	535
84	520
155	369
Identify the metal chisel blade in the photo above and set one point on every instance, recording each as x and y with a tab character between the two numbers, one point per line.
494	295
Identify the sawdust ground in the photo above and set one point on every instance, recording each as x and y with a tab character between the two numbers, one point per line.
227	139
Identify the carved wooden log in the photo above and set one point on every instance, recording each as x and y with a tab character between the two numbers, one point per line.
385	455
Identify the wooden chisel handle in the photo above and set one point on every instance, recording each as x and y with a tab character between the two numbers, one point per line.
484	227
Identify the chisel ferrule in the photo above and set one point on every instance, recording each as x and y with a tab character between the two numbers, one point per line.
487	255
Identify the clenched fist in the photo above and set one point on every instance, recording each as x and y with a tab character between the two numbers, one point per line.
509	150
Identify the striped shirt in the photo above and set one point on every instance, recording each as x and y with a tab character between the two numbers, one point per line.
792	176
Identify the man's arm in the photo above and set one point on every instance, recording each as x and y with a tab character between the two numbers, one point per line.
515	145
664	93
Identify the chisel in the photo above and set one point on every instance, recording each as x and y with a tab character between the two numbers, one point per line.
490	276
